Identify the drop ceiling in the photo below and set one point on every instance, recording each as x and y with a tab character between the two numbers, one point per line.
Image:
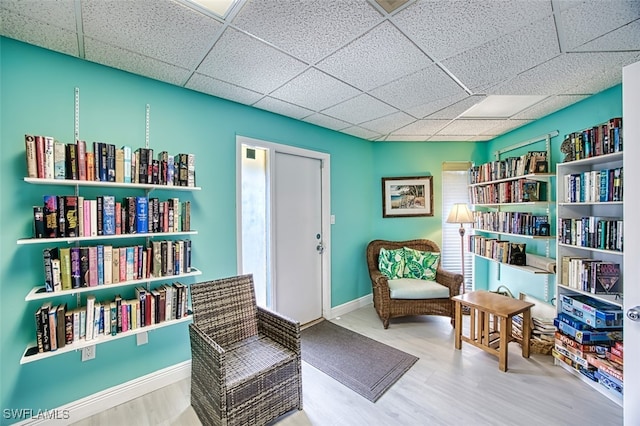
388	71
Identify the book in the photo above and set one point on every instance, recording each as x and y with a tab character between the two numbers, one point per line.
115	270
108	264
56	275
53	327
100	263
607	279
71	161
62	217
93	266
84	267
517	254
68	326
80	216
50	216
81	154
39	330
108	215
48	255
126	172
65	268
39	156
49	159
119	158
72	227
30	154
142	214
38	222
44	326
76	275
61	329
90	317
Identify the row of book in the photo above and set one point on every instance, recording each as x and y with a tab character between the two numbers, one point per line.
521	223
603	139
591	275
531	162
498	250
67	268
58	326
589	339
592	231
48	158
75	216
594	186
517	191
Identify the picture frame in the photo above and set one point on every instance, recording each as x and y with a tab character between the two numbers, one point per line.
407	196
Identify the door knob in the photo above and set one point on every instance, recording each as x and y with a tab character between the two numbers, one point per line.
320	248
634	313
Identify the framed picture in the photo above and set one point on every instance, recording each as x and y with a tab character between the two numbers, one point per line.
407	196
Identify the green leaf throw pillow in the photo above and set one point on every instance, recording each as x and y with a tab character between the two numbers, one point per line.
420	265
391	263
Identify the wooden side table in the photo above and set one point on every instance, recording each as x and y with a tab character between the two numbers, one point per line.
490	328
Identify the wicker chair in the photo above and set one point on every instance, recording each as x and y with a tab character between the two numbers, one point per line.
246	360
388	308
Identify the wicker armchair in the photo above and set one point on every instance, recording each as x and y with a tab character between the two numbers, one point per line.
246	360
388	308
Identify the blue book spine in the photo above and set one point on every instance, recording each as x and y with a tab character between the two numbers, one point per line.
127	163
604	185
100	264
108	215
142	215
75	268
129	265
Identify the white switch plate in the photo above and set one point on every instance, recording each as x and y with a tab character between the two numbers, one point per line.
88	353
142	338
333	219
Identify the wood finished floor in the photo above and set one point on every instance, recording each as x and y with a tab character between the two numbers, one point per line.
445	387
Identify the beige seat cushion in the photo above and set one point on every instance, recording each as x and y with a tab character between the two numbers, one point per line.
410	288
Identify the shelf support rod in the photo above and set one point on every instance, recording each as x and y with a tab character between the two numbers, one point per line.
546	137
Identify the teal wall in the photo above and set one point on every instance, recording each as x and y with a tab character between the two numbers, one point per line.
37	88
591	111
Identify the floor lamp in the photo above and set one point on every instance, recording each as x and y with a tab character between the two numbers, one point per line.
461	214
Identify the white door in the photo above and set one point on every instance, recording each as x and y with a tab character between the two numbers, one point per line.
631	138
298	242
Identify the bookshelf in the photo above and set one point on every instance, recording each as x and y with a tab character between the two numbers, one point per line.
589	228
155	242
512	199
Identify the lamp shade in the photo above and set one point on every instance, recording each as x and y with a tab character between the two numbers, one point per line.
460	213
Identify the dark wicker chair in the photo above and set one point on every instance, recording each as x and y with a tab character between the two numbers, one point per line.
388	308
246	360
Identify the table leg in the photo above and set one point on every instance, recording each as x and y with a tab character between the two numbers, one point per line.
504	342
526	332
458	325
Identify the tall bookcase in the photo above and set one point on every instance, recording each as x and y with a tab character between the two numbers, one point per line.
148	283
505	215
589	228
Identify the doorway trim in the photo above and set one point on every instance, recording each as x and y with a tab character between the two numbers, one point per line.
325	160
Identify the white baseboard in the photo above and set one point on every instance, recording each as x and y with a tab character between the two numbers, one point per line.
351	306
108	398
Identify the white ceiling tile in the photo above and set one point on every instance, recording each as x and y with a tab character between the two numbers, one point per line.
393	137
247	62
505	126
625	38
308	29
425	86
59	13
506	56
102	53
23	28
378	57
315	90
359	109
426	109
588	20
422	127
469	127
389	123
607	77
565	72
460	138
453	111
548	106
283	108
362	133
446	28
326	121
160	29
221	89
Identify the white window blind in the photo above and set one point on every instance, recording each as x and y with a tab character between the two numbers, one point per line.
454	190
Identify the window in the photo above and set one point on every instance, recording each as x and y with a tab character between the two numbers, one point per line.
454	190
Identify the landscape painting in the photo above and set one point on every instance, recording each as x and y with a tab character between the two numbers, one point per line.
407	196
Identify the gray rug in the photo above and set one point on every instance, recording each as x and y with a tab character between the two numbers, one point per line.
362	364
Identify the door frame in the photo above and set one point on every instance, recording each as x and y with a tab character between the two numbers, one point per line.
325	161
